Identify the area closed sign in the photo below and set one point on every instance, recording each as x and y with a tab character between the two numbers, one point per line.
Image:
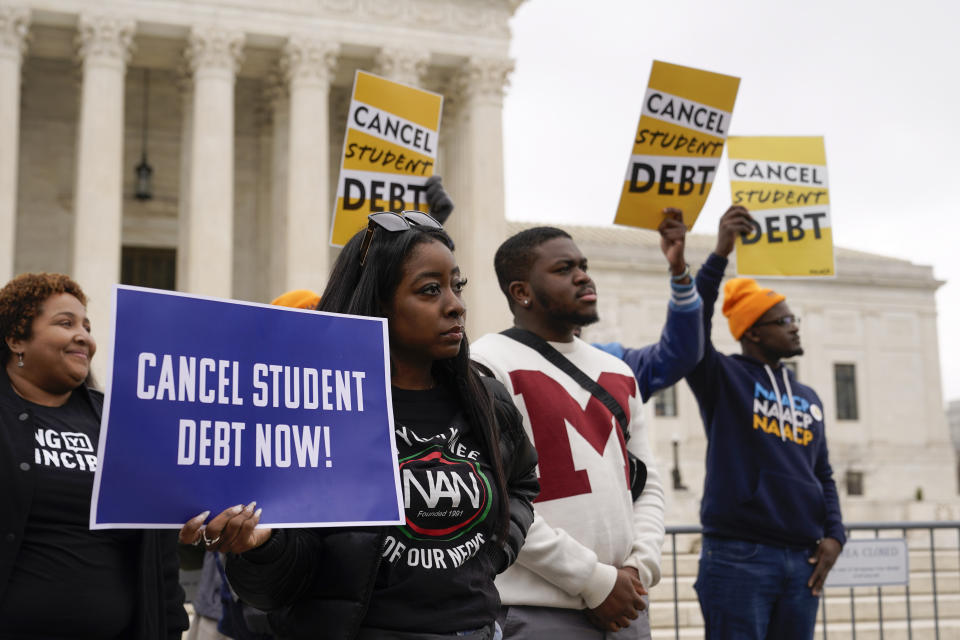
871	563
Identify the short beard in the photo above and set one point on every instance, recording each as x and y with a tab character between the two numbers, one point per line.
571	317
794	352
577	319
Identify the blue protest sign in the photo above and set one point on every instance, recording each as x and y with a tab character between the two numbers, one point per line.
213	403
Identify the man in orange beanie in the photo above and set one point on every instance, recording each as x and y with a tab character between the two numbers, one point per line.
770	512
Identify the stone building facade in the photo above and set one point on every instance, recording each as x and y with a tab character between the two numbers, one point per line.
246	105
240	108
953	419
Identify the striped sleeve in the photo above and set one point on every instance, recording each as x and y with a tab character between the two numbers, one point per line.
684	297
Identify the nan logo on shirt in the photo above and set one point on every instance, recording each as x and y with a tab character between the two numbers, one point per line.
444	496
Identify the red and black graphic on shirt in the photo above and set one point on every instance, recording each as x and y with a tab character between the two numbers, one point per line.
550	407
445	495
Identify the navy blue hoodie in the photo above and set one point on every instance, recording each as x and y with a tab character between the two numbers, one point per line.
768	475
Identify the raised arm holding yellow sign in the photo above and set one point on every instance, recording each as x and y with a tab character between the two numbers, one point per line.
783	182
388	152
685	119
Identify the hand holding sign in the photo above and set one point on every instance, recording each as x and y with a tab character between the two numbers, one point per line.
232	531
438	200
673	235
737	221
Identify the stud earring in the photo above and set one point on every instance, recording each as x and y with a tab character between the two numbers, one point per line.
20	359
526	303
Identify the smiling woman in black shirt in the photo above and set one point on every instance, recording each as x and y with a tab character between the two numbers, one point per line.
58	578
466	470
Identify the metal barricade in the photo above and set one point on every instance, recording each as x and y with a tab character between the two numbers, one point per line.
933	546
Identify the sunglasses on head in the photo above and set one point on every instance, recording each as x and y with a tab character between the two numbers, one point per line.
390	221
782	321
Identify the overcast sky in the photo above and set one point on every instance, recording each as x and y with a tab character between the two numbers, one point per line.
878	80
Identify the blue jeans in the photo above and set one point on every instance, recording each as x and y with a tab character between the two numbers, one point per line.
751	591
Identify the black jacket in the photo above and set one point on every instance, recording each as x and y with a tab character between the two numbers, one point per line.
317	582
160	612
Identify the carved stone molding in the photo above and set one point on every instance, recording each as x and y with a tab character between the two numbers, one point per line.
486	17
105	38
483	78
211	47
263	113
450	115
514	5
14	31
184	78
406	66
273	97
306	59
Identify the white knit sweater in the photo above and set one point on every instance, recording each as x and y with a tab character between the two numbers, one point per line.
585	523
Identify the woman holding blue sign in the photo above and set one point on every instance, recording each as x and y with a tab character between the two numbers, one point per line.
57	577
466	466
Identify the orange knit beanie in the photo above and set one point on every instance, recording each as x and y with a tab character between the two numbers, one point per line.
744	302
298	299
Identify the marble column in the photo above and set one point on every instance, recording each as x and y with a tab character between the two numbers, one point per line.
308	65
279	108
476	169
185	84
104	47
406	66
213	55
14	23
263	250
340	98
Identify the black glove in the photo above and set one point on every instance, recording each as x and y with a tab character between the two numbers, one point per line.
438	200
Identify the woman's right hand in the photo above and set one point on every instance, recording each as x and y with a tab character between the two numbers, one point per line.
232	531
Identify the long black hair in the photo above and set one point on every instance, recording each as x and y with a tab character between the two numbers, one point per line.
369	290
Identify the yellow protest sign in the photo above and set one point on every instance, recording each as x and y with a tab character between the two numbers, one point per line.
389	151
783	182
684	122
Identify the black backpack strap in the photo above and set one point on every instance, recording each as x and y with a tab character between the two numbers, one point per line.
560	361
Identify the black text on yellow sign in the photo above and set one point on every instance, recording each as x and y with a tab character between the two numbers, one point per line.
389	151
654	175
783	182
678	143
785	227
366	195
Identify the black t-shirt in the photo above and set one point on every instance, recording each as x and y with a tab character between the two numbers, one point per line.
437	570
68	581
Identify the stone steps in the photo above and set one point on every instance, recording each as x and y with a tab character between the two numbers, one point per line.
920	560
897	630
866	612
838	609
921	583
